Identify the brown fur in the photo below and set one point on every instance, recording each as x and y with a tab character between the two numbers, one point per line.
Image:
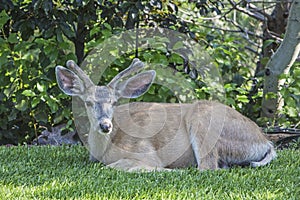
224	136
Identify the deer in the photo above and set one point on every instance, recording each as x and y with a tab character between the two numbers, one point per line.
147	136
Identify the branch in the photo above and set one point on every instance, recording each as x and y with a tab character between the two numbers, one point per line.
242	29
258	15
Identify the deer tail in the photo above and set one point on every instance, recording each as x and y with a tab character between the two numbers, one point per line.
269	156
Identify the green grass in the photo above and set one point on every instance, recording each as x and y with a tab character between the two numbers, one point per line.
66	173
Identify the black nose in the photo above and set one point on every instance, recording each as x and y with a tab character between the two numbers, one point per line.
106	127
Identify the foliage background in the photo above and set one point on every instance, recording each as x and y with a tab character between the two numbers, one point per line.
35	36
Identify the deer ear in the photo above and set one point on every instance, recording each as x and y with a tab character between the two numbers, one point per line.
68	81
136	85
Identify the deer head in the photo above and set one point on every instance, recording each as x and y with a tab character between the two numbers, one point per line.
100	100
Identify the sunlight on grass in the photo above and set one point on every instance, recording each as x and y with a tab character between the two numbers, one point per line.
65	173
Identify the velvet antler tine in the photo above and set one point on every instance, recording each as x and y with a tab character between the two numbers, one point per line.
135	66
73	66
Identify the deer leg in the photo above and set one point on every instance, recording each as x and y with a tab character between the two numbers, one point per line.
132	165
209	161
206	157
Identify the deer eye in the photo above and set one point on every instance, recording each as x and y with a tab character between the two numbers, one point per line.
89	103
112	102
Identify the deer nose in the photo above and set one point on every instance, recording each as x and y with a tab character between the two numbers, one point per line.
106	126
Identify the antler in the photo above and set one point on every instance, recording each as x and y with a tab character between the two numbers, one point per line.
87	81
135	66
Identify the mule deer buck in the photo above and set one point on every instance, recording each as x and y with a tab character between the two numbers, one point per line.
161	136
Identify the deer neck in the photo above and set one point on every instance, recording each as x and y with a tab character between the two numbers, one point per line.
98	144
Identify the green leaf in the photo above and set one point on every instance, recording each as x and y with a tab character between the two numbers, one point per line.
177	45
3	18
28	93
40	115
227	52
176	59
59	36
268	43
4	56
147	56
66	29
13	38
41	87
230	101
296	73
290	102
22	106
52	104
243	98
108	26
271	95
94	31
294	90
13	115
292	111
48	33
35	101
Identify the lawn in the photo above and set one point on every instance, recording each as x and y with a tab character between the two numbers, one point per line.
48	172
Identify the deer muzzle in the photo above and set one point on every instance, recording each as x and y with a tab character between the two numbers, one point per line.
105	126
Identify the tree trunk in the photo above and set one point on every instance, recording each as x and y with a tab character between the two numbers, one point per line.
276	25
273	26
281	62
